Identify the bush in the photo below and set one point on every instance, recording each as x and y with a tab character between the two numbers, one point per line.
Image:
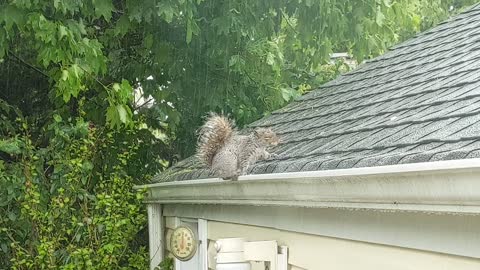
70	204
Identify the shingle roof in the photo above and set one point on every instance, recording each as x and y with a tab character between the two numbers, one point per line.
419	102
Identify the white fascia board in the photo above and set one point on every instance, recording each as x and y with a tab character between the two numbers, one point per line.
443	186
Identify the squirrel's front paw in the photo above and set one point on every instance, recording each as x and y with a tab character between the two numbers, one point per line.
231	178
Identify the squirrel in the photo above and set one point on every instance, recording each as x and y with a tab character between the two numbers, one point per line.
229	154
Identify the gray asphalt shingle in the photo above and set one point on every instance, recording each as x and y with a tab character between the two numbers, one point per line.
419	102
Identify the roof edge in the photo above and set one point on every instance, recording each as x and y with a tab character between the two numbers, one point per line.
441	187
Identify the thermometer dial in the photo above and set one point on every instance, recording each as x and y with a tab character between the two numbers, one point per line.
183	243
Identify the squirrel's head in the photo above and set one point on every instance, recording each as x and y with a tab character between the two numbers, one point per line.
267	136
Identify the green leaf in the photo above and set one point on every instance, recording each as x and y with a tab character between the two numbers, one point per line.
103	8
57	118
87	165
116	87
270	59
125	92
289	93
189	31
77	27
112	117
234	59
4	247
118	115
64	75
380	18
122	113
122	26
10	146
62	32
12	216
416	20
11	15
166	11
126	86
148	41
67	6
192	29
76	70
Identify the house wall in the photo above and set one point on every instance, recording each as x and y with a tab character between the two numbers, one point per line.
443	233
307	251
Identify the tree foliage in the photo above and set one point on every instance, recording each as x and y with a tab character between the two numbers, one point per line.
74	138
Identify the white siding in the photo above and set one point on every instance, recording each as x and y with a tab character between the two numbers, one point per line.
316	252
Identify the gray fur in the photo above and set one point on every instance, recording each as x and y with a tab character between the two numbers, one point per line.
232	154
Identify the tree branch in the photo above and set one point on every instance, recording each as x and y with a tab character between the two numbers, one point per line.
145	103
27	64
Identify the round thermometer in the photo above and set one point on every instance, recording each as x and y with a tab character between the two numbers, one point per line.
183	243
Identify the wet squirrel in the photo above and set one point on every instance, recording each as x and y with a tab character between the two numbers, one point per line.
229	154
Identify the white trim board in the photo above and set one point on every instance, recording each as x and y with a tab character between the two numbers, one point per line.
451	234
155	234
437	187
203	247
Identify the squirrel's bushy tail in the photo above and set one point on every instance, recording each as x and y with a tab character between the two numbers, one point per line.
212	136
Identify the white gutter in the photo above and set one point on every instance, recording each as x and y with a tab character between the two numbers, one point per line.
442	186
